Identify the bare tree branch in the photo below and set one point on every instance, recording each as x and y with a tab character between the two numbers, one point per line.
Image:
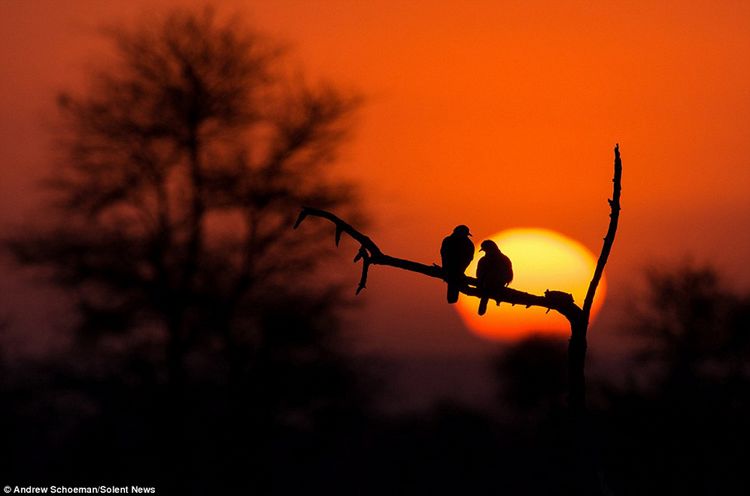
609	238
371	254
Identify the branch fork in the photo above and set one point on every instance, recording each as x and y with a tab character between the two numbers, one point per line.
561	302
370	254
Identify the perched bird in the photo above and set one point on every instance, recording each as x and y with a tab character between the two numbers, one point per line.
494	272
457	252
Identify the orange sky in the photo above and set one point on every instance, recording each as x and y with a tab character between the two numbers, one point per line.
493	114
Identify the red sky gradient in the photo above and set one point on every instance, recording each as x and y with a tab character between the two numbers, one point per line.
492	114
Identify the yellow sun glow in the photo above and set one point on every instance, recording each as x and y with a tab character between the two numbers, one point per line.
542	259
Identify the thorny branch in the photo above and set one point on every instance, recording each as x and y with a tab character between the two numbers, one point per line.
371	254
562	302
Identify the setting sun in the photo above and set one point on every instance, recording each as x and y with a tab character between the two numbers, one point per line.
542	259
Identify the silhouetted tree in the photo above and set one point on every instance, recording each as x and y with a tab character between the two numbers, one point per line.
181	169
578	316
690	326
531	375
685	410
182	165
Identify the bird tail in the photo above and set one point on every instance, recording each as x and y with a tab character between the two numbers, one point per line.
452	293
483	305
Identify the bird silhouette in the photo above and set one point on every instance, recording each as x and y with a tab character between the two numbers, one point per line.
494	272
457	252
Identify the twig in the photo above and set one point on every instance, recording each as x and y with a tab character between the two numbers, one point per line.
609	238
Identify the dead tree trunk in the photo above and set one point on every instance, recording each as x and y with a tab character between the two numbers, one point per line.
589	479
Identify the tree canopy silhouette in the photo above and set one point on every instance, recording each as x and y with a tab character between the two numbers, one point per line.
180	170
531	375
691	327
684	405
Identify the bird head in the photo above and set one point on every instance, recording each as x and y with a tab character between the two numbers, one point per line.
489	246
462	230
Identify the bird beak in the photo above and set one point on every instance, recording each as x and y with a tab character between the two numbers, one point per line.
469	234
481	249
